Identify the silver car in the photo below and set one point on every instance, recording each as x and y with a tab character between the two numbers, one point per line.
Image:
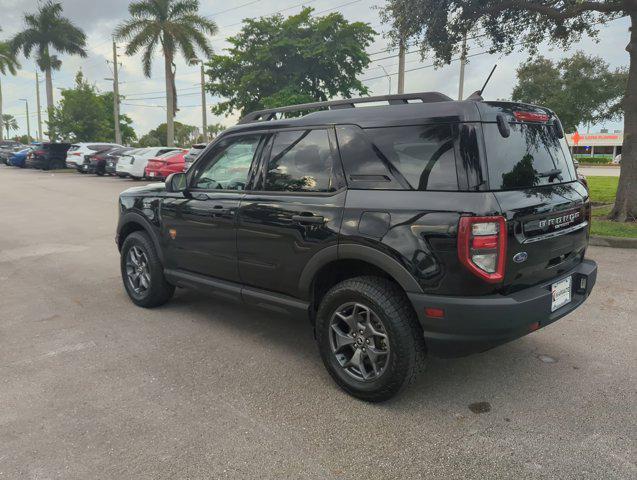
193	153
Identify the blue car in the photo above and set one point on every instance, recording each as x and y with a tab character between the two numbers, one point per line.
17	159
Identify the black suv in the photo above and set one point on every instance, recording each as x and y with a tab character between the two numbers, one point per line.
421	226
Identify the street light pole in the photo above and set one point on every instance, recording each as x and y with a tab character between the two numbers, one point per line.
28	124
118	133
204	119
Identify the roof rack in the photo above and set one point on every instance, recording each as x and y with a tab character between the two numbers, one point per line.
270	114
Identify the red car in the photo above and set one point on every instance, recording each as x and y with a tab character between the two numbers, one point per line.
162	166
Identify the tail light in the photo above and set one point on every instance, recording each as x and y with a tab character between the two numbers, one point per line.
482	243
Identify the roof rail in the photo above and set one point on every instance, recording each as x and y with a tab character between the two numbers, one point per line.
270	114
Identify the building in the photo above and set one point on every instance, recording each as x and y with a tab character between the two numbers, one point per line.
603	144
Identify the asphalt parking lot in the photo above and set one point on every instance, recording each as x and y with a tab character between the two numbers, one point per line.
93	387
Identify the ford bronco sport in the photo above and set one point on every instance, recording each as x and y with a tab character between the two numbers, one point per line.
419	226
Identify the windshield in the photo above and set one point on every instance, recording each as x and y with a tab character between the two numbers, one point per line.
532	155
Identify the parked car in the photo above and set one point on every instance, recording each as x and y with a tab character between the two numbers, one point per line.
134	166
113	156
8	148
96	162
617	160
192	154
436	227
47	156
158	168
76	154
18	159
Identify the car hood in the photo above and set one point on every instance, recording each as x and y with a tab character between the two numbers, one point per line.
150	189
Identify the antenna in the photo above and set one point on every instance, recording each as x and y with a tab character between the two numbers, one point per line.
477	95
488	78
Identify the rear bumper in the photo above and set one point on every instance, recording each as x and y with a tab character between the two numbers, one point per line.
475	324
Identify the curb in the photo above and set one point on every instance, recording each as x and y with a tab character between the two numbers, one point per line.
614	242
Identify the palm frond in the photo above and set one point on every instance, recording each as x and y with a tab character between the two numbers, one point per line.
8	61
183	7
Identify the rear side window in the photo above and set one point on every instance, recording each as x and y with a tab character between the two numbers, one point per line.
300	161
424	155
531	156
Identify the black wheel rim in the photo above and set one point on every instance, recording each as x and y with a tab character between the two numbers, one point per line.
359	341
137	270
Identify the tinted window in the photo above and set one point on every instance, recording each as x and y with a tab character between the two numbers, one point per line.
300	161
365	167
424	155
227	165
532	155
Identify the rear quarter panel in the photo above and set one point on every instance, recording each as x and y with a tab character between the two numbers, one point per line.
419	230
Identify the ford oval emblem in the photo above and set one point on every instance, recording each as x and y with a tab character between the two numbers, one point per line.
520	257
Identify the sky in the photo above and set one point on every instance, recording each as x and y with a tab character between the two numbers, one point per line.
145	96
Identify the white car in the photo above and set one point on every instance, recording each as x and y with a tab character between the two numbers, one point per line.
617	160
77	152
133	163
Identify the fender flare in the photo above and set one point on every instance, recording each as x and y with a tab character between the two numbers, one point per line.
139	219
357	252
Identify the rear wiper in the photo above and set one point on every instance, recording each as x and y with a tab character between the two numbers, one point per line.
552	174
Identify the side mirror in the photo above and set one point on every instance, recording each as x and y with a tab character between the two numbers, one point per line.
176	183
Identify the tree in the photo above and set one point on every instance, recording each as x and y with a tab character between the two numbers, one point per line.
83	114
580	89
8	63
171	25
184	135
45	31
9	123
275	61
440	25
213	130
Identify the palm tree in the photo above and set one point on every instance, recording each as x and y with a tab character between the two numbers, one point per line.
8	63
44	31
9	123
171	25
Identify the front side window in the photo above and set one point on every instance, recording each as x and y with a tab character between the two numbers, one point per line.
300	161
227	164
424	155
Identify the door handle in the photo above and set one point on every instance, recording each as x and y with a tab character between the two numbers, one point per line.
219	210
308	218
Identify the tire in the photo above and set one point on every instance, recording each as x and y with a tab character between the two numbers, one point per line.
158	290
404	343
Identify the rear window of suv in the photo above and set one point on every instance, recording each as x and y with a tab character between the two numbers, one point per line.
532	155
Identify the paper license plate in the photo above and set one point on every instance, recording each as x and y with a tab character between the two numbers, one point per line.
561	293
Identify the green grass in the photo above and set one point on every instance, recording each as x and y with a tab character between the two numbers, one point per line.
588	160
606	228
602	189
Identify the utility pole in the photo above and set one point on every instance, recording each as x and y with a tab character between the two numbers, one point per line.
37	104
28	123
463	63
118	133
401	66
204	119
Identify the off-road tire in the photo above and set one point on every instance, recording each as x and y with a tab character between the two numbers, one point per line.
160	291
407	346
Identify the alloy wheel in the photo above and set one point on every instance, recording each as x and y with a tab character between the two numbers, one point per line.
137	270
359	341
